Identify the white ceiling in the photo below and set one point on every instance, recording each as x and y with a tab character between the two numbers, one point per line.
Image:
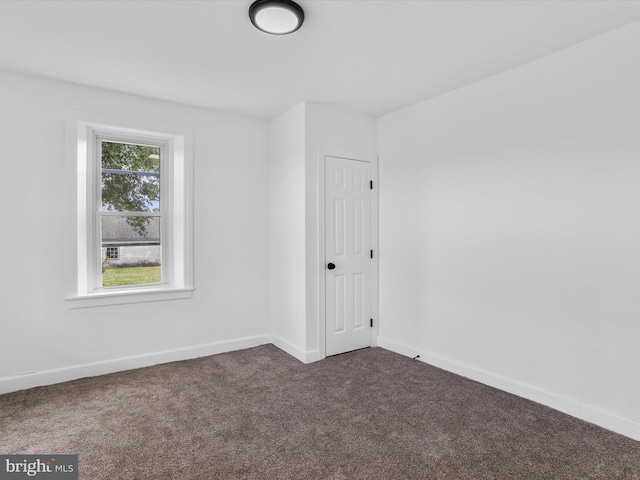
369	56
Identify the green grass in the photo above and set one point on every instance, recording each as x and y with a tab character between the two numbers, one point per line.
113	277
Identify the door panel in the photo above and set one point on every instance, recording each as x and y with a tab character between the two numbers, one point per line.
348	243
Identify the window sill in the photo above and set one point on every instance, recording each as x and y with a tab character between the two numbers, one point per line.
121	297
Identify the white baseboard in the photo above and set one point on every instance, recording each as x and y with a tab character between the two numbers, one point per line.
296	352
564	404
49	377
567	405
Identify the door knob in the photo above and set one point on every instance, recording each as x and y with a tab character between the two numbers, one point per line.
330	266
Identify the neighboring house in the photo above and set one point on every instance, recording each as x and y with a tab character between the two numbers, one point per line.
124	246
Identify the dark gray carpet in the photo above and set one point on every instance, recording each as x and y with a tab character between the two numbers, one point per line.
259	413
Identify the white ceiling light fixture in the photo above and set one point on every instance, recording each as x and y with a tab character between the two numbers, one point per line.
277	17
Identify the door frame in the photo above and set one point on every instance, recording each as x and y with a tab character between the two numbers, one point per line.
372	159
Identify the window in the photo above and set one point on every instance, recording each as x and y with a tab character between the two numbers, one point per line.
133	216
130	214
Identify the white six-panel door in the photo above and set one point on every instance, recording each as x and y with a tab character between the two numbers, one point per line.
348	248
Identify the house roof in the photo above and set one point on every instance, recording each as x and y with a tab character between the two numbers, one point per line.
117	230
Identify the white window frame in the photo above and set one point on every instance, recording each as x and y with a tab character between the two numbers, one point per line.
84	131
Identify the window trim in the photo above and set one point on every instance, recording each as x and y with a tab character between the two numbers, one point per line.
83	255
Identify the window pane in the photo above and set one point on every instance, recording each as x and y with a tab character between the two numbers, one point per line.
123	192
130	177
135	241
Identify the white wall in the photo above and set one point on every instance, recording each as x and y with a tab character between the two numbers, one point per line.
510	241
228	310
297	137
287	203
326	129
250	213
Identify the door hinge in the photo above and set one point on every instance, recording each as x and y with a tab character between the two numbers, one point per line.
371	323
370	184
371	253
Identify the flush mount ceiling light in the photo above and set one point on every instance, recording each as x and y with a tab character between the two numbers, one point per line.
277	17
